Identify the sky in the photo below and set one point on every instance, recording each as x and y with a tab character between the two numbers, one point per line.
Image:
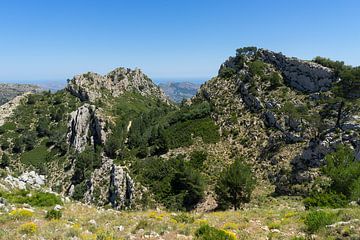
42	40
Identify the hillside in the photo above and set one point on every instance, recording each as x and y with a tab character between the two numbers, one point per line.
178	91
286	129
8	91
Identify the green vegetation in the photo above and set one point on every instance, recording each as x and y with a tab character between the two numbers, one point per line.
235	185
53	214
206	232
197	158
316	220
5	161
174	182
344	171
349	86
36	157
34	198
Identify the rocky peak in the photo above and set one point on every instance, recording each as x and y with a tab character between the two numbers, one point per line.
304	76
92	86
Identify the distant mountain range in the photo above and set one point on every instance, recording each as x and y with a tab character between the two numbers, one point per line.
10	90
177	91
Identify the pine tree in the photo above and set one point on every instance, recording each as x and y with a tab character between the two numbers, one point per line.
235	185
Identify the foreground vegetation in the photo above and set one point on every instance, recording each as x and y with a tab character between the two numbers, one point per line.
265	218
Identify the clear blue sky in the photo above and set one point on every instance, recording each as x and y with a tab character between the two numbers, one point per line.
53	40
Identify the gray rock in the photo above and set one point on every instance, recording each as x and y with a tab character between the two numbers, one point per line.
302	75
83	121
92	86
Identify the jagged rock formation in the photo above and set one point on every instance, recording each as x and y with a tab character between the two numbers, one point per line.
302	75
8	91
110	184
86	126
92	86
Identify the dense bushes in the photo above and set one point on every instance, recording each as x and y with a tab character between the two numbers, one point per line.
344	171
53	214
206	232
349	86
37	199
235	185
5	161
174	182
316	220
325	199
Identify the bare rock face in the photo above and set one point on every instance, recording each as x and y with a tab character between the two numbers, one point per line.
85	126
110	184
92	86
302	75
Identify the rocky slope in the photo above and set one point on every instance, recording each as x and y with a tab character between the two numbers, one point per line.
281	114
9	91
117	140
178	91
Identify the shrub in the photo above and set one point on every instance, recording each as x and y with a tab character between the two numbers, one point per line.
28	228
316	220
206	232
257	68
2	130
79	191
226	72
235	185
38	199
21	213
183	218
53	214
197	158
355	192
174	182
343	169
5	161
325	199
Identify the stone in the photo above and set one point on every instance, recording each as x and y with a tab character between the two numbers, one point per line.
58	207
305	76
83	121
120	228
93	222
93	86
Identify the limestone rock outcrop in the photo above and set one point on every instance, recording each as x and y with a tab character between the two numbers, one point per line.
110	184
92	86
302	75
85	127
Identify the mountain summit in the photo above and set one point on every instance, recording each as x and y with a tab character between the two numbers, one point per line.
92	86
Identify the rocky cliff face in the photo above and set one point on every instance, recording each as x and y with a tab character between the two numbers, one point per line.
92	86
302	75
86	127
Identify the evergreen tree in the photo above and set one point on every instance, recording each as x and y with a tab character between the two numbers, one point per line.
235	185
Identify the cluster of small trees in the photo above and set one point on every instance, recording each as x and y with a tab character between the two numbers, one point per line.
344	171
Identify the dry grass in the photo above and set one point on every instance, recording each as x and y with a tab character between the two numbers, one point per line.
280	218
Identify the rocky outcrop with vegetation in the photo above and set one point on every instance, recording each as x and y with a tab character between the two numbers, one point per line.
117	140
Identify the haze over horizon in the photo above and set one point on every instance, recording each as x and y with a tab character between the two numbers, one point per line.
52	41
